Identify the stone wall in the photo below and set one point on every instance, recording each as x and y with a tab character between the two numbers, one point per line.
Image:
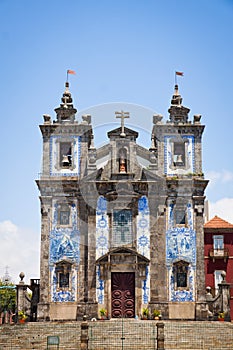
34	335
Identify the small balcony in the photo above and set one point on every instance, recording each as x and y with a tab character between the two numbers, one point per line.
219	254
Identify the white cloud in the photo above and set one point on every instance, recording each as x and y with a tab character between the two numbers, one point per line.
219	177
222	208
19	250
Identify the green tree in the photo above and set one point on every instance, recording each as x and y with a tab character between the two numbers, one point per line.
7	296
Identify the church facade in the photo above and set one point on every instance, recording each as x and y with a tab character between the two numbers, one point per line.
117	234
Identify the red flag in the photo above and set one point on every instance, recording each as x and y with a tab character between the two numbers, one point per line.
180	73
71	71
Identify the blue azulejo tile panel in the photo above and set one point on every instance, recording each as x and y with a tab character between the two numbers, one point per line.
186	294
64	241
54	155
102	243
102	228
143	227
143	242
64	295
181	245
146	287
64	246
99	287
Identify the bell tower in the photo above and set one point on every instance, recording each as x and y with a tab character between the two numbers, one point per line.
179	156
66	144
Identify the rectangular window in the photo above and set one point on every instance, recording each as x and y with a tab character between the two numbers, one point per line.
218	242
122	227
181	275
64	280
65	154
179	154
181	279
64	215
218	245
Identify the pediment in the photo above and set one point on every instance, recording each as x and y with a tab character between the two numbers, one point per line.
128	132
123	191
122	251
64	262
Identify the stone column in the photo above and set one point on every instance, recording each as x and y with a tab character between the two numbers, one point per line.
21	300
43	306
160	335
201	306
84	334
224	291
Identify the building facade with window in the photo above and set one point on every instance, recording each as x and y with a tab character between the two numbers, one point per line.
219	255
116	233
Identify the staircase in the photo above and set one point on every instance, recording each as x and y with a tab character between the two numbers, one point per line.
118	334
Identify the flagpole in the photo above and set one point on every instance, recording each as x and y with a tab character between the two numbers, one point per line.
67	75
175	78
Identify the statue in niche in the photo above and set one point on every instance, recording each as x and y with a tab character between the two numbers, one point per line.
122	166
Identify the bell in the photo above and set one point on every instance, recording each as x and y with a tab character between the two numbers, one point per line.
65	161
179	159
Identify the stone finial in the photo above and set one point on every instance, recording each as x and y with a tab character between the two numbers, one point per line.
86	119
47	119
66	111
197	118
66	98
157	118
21	276
223	274
176	98
178	113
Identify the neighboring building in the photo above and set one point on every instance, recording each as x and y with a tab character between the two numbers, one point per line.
120	235
219	254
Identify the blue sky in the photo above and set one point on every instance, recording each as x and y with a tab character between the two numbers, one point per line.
122	51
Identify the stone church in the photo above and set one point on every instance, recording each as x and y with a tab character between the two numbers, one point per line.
116	234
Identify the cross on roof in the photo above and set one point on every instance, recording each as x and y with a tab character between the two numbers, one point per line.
122	115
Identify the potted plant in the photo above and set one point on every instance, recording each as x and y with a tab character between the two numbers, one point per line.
145	313
103	313
22	316
157	314
221	316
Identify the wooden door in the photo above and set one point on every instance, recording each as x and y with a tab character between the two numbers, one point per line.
123	294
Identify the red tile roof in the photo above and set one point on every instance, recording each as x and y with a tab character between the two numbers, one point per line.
217	222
